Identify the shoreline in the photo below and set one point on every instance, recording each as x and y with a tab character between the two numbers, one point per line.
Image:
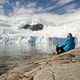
64	66
13	62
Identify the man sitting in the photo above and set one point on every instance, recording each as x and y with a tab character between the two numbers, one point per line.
67	45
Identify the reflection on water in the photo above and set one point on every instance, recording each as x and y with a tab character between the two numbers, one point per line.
17	53
11	54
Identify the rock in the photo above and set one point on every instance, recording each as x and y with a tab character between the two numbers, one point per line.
31	78
3	77
26	26
66	72
35	27
44	74
59	72
25	79
65	66
13	76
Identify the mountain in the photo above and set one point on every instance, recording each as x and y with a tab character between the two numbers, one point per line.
54	26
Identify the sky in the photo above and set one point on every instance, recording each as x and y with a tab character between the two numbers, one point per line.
57	12
18	7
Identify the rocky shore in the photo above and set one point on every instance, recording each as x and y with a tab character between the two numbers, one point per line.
65	66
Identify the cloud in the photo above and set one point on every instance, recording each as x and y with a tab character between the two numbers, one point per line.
21	12
2	2
71	8
19	9
31	5
30	8
62	2
68	5
17	4
55	19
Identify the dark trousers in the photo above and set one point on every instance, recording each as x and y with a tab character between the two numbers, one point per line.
59	50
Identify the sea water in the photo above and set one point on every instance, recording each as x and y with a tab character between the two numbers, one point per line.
16	53
12	54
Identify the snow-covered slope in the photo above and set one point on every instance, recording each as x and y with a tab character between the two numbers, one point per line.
54	26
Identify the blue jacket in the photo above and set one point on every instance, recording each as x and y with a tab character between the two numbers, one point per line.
68	44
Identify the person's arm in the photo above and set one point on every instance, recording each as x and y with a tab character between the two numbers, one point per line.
63	44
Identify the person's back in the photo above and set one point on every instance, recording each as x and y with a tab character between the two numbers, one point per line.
67	45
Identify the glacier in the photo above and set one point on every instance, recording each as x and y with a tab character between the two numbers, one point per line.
52	33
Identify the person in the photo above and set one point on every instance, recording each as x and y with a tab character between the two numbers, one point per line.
68	44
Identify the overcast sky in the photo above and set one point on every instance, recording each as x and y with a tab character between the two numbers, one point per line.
18	7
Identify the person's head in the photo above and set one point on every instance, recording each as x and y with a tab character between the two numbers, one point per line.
69	35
